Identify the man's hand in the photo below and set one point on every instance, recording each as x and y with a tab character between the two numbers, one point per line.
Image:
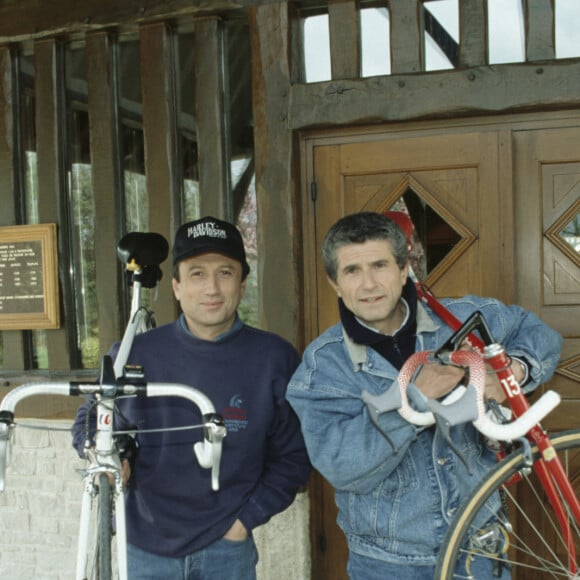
237	533
493	388
125	472
436	380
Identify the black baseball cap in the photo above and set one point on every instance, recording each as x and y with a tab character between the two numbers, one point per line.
210	235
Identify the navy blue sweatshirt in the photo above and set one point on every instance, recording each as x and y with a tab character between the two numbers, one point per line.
171	508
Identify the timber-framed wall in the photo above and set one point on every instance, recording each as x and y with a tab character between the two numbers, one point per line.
285	108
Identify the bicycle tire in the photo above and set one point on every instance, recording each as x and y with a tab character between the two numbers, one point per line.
105	528
529	552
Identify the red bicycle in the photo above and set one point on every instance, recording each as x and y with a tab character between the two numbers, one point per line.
542	464
536	533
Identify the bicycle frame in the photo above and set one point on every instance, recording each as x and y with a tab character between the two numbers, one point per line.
549	469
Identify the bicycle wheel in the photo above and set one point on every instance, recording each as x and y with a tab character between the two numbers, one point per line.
105	527
525	536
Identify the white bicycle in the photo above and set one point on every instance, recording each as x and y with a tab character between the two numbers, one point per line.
102	507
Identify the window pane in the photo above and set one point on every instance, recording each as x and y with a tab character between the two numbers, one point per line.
186	126
239	111
241	156
132	140
37	338
571	233
567	25
375	42
506	31
28	137
81	210
136	201
247	223
442	40
433	238
316	49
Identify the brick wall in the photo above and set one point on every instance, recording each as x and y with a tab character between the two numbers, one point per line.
40	510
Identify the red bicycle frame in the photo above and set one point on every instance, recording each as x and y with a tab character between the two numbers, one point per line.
549	469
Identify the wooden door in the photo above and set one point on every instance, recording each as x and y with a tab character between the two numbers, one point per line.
464	181
547	244
547	196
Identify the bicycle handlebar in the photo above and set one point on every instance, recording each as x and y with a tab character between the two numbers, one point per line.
208	451
462	405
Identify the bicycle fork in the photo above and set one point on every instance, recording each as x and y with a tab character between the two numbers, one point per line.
90	492
103	459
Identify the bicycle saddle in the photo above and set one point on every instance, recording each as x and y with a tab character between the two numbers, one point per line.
143	249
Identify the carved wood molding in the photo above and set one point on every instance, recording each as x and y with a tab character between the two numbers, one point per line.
570	368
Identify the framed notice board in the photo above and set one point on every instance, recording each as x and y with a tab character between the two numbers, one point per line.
29	296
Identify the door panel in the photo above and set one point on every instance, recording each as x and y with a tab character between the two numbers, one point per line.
467	179
547	192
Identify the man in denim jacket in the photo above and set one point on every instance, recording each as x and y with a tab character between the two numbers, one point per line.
395	508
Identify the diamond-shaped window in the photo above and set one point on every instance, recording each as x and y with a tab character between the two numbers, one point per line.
564	233
571	233
433	238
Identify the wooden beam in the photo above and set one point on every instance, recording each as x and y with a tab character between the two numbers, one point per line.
406	36
344	30
479	90
473	33
539	24
160	132
211	119
12	340
50	127
106	179
278	247
25	19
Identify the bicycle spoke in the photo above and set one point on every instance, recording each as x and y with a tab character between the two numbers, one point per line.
533	544
521	544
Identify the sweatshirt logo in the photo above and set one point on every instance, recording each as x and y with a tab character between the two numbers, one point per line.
235	416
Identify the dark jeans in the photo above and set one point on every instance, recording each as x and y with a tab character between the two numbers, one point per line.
362	568
220	560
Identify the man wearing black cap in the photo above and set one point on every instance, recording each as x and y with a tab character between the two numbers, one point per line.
177	527
209	276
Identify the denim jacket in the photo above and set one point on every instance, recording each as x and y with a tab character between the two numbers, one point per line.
396	506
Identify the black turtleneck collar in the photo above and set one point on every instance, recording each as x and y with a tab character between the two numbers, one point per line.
396	348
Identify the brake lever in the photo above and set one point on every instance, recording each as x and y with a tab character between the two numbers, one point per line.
446	416
6	421
209	452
